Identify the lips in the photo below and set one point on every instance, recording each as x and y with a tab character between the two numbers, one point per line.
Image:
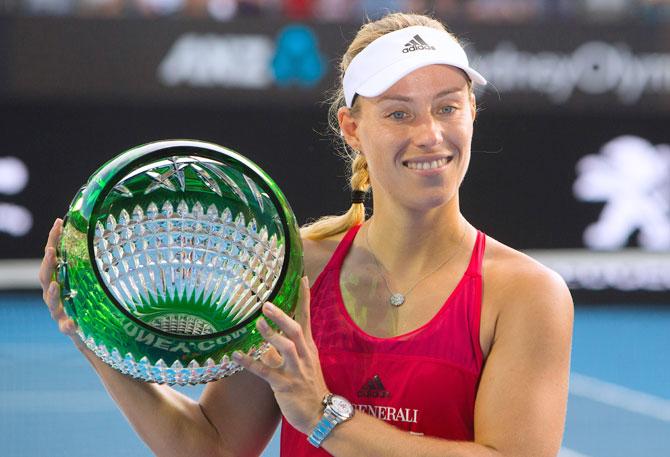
427	163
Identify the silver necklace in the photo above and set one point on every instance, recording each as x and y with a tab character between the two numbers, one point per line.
398	298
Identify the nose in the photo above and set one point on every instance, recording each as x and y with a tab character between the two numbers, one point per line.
428	132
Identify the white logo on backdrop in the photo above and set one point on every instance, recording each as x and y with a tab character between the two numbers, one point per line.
594	68
632	177
13	175
218	61
14	219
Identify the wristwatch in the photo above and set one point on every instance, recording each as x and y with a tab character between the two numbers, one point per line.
336	410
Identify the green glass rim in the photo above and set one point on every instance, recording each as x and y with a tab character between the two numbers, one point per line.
204	151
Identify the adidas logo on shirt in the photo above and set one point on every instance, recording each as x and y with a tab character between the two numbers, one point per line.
374	389
417	44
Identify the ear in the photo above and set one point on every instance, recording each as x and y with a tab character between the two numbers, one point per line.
348	127
473	105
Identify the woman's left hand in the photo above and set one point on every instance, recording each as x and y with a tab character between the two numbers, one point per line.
291	366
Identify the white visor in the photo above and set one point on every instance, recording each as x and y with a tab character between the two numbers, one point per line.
393	56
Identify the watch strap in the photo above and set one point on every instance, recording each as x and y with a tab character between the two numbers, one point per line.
322	429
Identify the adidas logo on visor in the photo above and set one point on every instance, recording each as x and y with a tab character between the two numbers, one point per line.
417	44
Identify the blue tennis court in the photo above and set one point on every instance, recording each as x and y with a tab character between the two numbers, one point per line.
52	404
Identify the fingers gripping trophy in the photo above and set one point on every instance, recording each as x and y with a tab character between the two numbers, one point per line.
167	256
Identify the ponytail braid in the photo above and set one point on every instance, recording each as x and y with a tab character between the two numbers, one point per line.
332	225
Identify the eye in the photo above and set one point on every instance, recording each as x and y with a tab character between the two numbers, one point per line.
398	115
447	109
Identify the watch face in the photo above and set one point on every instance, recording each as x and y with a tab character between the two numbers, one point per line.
341	406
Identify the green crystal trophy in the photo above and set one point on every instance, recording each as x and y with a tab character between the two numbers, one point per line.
167	255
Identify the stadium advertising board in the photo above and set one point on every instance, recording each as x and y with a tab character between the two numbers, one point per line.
570	157
530	67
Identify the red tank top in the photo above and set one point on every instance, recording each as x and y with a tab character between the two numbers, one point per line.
424	382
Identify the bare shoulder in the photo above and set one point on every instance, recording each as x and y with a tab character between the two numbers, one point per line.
516	283
317	253
526	337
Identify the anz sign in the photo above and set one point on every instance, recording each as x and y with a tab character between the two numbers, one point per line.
237	61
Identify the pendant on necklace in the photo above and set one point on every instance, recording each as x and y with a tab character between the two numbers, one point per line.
397	299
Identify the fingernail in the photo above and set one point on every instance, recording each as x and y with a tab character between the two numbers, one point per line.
52	288
237	356
263	325
269	307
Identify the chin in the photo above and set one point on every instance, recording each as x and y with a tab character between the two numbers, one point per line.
431	202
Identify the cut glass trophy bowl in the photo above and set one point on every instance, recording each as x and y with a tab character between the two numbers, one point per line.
167	255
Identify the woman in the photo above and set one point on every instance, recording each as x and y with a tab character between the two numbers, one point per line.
436	339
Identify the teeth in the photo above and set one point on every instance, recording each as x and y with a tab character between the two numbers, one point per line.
426	165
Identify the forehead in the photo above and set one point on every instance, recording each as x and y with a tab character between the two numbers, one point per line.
429	81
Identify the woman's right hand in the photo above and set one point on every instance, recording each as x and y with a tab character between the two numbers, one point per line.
51	289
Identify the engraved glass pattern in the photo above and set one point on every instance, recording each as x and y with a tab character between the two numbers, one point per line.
168	254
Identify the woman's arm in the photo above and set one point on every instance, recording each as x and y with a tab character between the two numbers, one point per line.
521	400
235	416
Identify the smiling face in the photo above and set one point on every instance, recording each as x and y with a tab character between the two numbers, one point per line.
416	137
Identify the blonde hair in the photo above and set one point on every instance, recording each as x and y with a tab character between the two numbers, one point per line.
359	179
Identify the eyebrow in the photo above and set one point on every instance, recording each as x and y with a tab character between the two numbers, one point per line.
450	91
407	99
